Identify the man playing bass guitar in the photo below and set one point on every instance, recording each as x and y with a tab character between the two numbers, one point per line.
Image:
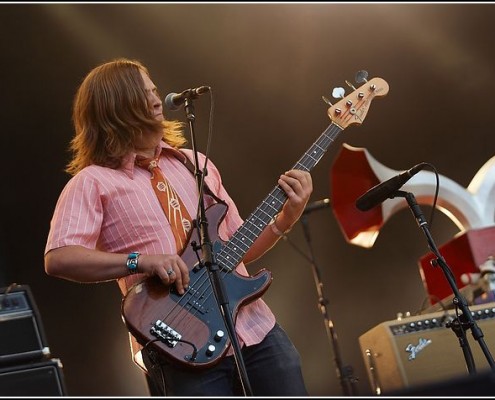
109	224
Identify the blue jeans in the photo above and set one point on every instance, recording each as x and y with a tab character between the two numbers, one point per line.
273	368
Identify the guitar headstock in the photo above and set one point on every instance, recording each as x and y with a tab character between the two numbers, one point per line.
353	108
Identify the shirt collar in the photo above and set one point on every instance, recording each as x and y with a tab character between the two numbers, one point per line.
128	163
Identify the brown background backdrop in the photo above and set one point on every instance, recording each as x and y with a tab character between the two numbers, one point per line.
268	66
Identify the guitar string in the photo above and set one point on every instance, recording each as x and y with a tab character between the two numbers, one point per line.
204	295
347	115
180	310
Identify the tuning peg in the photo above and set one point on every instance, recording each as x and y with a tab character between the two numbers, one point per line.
326	101
362	76
350	85
338	93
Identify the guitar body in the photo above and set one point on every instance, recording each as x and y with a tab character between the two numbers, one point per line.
151	309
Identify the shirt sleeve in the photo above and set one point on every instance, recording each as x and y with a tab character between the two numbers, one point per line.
78	215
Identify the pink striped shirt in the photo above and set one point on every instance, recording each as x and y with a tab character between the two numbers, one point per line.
116	210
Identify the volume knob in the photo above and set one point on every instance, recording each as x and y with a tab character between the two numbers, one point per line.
219	336
210	350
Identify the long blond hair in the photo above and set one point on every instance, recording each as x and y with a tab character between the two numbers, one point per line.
110	112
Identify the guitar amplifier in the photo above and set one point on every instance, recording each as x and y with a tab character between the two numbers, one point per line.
22	337
421	350
43	378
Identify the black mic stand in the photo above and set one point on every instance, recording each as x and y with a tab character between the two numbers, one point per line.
344	373
465	321
209	258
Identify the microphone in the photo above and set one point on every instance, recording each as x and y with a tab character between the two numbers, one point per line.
316	205
173	101
384	190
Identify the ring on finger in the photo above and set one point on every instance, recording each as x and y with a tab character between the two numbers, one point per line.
170	272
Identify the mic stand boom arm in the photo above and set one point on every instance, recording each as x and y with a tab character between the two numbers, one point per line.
209	259
466	320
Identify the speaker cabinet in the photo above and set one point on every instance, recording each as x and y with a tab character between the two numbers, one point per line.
421	350
33	379
22	337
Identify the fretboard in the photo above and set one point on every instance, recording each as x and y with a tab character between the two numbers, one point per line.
234	250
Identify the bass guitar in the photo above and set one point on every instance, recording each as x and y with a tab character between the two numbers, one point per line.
189	329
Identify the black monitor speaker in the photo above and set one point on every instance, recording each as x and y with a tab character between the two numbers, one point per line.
22	337
42	378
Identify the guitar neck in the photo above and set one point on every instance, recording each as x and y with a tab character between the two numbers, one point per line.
234	250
